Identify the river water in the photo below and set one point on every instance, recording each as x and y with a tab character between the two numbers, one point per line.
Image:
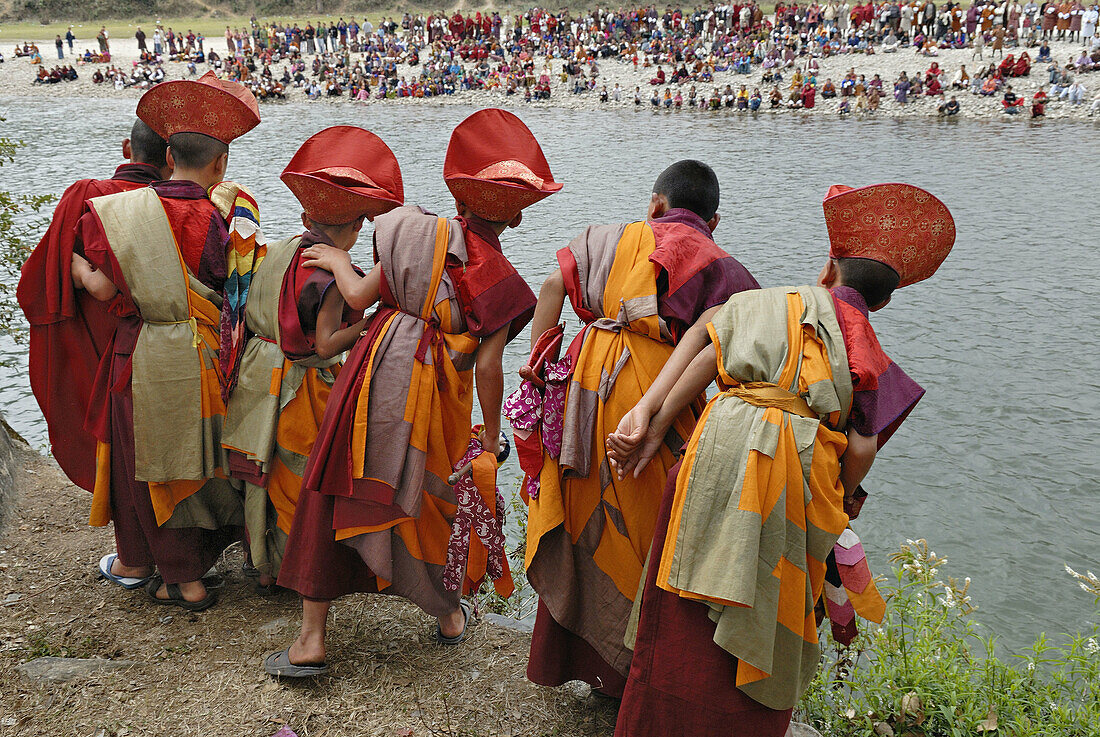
998	465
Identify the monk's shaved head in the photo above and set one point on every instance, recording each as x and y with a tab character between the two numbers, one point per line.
874	280
146	146
691	185
195	150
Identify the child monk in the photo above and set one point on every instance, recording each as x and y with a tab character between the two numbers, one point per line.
341	176
179	256
726	636
377	512
637	287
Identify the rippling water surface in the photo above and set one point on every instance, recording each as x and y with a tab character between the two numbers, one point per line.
998	465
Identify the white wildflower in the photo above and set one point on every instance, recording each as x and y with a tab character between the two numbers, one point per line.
1091	646
1030	667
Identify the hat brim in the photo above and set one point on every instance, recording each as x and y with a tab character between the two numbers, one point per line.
184	106
497	201
332	204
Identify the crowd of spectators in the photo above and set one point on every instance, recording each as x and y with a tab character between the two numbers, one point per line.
539	53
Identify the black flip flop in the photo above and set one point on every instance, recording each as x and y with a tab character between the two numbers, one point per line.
279	665
442	639
175	596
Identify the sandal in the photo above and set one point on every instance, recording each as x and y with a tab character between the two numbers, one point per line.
279	665
127	582
175	596
442	639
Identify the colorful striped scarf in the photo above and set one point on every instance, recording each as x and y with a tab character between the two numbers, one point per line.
244	253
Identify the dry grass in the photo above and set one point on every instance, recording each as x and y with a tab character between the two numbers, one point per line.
200	673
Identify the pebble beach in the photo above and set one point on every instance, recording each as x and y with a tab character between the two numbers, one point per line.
16	80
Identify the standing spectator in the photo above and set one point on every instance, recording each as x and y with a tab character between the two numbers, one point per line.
1088	25
158	41
140	36
229	41
101	39
60	47
70	37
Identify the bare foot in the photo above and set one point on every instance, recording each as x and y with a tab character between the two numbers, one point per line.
307	651
117	569
453	624
191	590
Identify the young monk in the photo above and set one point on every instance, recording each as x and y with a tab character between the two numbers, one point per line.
341	176
377	512
637	287
726	637
180	270
70	329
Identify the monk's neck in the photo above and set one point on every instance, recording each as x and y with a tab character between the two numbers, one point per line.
199	177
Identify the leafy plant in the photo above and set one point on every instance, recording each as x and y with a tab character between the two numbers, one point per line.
927	671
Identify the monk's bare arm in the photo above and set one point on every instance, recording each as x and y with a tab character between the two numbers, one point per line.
91	280
857	460
330	338
633	427
548	309
360	292
489	381
702	370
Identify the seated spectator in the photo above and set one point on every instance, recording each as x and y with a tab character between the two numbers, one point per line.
1011	103
949	108
1039	104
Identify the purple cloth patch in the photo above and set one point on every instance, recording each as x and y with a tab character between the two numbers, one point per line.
841	614
855	577
849	556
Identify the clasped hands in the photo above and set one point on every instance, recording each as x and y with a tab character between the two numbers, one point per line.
636	440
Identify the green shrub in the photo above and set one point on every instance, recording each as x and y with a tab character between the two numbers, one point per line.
927	671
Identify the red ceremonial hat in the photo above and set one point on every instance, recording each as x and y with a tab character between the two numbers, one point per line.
214	107
343	173
899	225
495	166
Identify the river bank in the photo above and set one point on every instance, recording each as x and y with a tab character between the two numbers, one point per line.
182	673
16	77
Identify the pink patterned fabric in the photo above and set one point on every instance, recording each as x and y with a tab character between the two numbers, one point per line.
553	404
537	417
473	514
523	407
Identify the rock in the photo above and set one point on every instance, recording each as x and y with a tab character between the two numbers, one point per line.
12	599
516	625
8	471
798	729
274	626
62	670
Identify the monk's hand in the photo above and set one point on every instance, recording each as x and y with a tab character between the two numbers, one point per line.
626	441
322	256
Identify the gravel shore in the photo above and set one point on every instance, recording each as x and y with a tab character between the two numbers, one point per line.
16	77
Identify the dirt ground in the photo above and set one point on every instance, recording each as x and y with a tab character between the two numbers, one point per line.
200	674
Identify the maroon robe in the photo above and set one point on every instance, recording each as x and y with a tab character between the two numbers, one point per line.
492	296
694	275
681	683
69	329
180	554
